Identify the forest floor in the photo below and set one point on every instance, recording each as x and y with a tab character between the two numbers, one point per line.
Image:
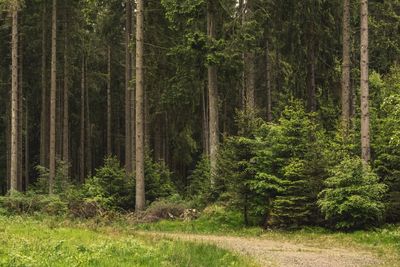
283	253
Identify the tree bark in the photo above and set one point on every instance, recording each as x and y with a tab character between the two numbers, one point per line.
65	135
53	98
346	64
268	82
82	126
140	184
128	78
249	68
14	102
311	97
20	116
44	116
109	111
212	93
88	129
26	147
365	134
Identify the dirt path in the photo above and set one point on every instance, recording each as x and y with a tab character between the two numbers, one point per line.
276	253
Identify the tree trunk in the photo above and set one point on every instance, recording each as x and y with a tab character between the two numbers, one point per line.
20	117
365	135
128	78
82	127
140	184
249	68
212	93
14	102
65	135
44	116
268	82
205	111
346	64
109	148
53	98
311	97
88	129
26	147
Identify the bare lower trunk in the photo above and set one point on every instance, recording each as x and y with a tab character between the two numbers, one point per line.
53	98
20	119
212	95
14	103
365	135
205	111
109	148
88	130
128	78
65	135
140	184
346	68
268	82
249	68
311	97
44	116
26	148
82	127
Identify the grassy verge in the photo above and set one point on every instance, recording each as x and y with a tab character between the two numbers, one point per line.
29	242
385	242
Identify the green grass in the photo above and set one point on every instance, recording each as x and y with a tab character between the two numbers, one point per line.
28	242
384	242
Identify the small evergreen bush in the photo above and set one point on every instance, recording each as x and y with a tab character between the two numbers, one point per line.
353	197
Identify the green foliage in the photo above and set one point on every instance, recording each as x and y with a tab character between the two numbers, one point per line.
62	182
353	197
199	189
290	167
110	187
31	203
158	180
387	142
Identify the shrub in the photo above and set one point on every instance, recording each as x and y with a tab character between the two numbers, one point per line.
164	209
30	203
353	196
158	180
62	181
109	187
199	189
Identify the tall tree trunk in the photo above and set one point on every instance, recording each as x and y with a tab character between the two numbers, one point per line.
109	148
8	142
65	134
88	129
26	147
128	78
14	102
249	68
311	97
82	127
44	116
53	98
20	117
205	113
268	82
346	64
365	135
212	93
140	185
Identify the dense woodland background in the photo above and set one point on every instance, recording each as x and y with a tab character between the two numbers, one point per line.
261	105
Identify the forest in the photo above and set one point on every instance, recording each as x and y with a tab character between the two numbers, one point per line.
269	119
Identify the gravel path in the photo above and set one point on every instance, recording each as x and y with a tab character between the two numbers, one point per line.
276	253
